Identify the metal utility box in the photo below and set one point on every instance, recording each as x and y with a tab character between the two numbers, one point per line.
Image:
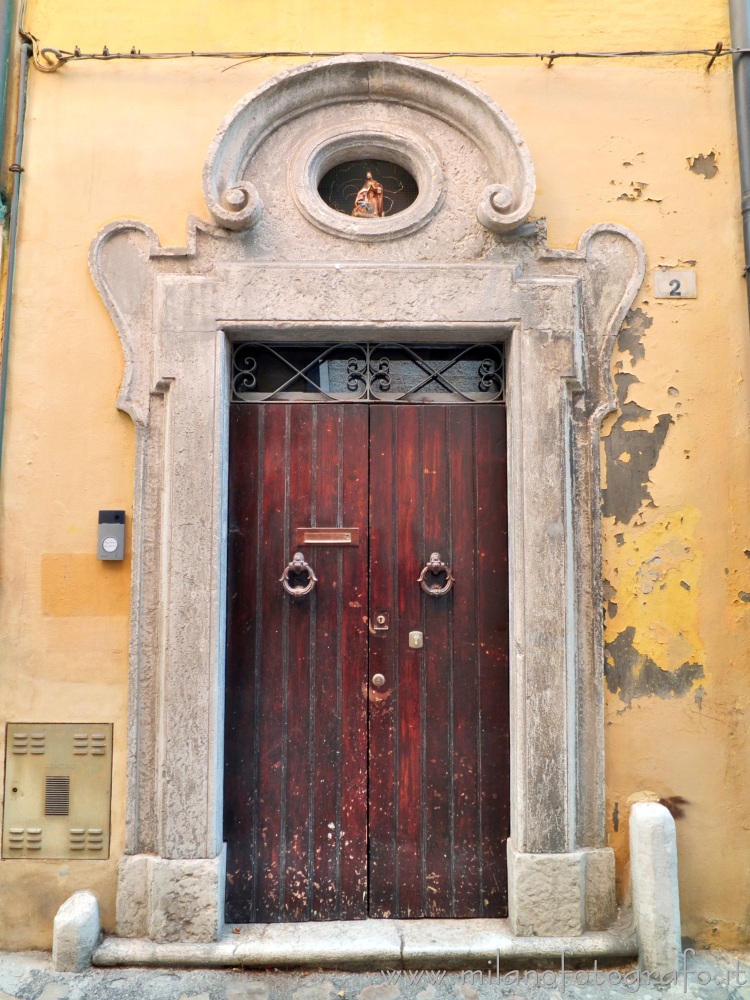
58	789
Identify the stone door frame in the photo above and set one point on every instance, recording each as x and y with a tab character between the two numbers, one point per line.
177	311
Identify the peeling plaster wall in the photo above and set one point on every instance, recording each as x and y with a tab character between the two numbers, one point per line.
649	144
675	528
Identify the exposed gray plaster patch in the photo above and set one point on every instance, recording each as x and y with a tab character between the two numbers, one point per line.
616	817
705	165
630	337
610	594
633	675
744	596
627	482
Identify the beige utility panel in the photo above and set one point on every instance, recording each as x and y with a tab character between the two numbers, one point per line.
58	783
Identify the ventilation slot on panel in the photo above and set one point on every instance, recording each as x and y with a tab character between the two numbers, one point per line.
77	839
80	743
98	743
33	838
57	796
20	742
95	839
16	837
38	742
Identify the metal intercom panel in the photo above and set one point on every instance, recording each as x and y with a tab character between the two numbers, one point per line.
58	790
111	536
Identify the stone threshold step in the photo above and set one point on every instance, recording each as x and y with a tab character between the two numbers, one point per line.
373	945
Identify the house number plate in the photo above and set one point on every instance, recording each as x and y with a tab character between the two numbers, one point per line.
672	284
327	536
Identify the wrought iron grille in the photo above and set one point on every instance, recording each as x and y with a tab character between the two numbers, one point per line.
371	373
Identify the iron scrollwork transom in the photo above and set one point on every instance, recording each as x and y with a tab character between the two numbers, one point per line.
371	373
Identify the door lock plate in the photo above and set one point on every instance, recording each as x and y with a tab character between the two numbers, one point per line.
380	621
416	640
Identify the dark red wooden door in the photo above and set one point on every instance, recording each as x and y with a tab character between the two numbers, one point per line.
317	825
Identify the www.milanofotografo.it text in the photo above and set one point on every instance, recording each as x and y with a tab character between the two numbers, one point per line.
562	977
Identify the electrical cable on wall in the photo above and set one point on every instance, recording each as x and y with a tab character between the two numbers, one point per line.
48	59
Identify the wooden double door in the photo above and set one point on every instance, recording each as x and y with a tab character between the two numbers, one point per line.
349	794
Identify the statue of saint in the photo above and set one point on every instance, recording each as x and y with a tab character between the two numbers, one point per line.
368	204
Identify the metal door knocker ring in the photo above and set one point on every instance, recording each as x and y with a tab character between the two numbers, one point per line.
296	568
434	567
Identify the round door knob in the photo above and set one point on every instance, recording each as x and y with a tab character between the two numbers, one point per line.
378	680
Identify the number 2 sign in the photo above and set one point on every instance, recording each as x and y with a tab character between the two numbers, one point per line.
672	284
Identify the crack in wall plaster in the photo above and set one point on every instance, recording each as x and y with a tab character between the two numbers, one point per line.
628	480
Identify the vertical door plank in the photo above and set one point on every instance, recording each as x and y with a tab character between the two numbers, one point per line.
353	639
270	717
492	599
438	695
243	635
299	664
326	799
339	791
383	745
464	458
409	517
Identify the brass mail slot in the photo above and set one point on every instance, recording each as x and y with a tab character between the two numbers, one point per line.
327	536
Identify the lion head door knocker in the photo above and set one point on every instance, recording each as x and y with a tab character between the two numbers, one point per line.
431	585
368	203
292	579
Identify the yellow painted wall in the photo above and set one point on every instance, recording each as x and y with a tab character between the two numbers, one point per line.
611	141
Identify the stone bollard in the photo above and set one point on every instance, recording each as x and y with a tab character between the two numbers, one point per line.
656	900
76	933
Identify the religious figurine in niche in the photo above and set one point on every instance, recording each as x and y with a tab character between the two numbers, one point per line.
368	203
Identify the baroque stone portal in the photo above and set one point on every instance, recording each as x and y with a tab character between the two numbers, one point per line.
461	263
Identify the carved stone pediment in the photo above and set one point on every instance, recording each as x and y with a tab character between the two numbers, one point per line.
371	105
